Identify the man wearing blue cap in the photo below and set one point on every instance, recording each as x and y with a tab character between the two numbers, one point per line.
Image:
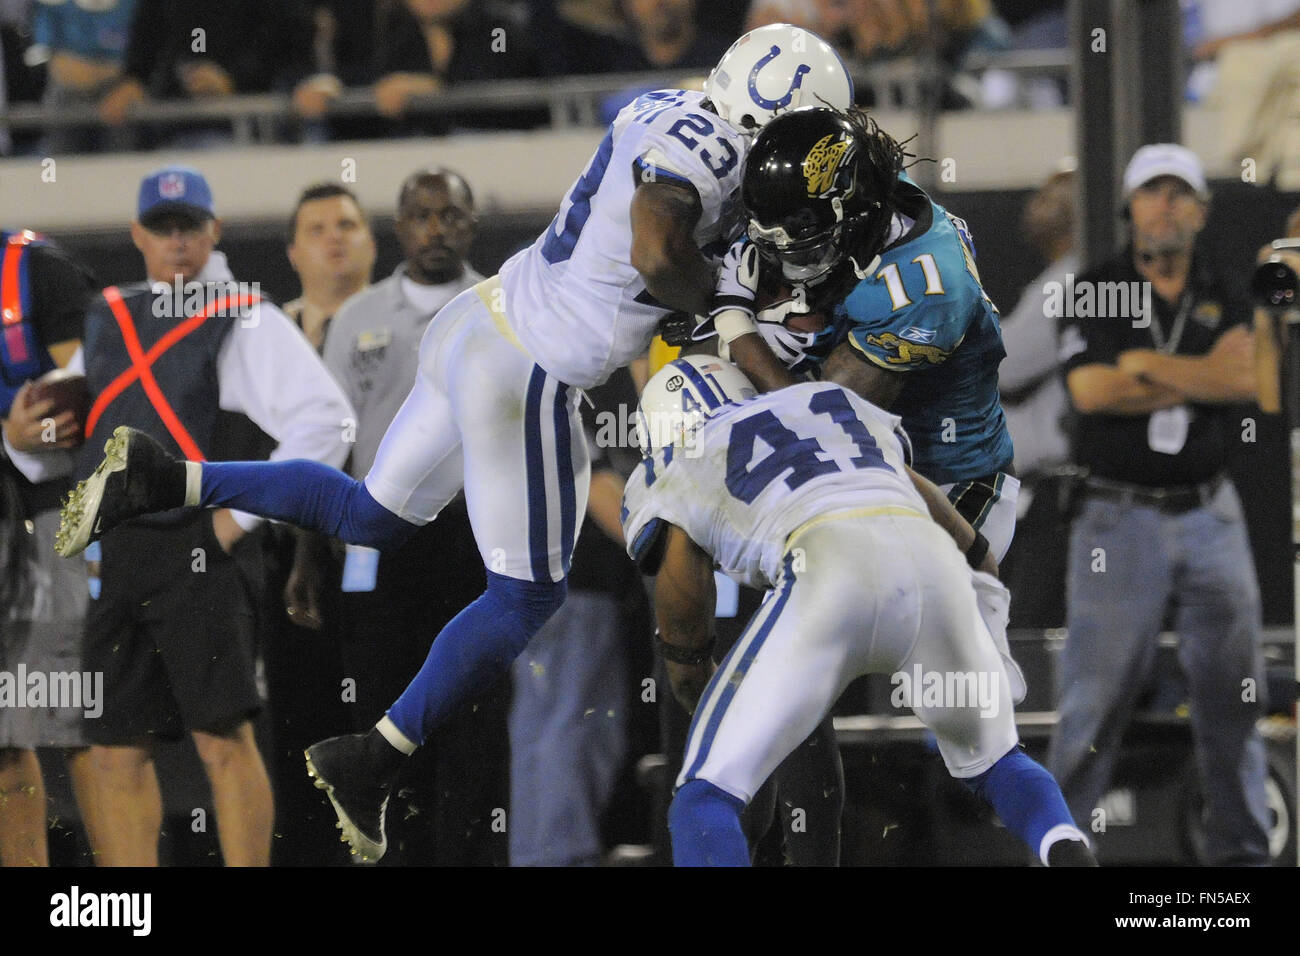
172	627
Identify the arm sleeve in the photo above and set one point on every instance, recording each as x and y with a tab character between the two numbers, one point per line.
1084	342
1029	337
665	157
63	287
44	27
41	466
269	372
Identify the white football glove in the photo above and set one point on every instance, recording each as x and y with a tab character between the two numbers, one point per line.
732	314
734	308
738	278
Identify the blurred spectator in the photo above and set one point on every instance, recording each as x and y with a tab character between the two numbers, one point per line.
1213	27
333	253
829	19
1035	24
880	29
1215	24
666	37
1033	395
427	45
342	53
568	714
1151	366
1033	398
18	81
209	49
394	603
599	16
43	597
82	44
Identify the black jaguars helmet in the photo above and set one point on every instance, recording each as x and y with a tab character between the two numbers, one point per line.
819	186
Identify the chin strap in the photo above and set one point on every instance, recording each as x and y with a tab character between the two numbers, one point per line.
869	271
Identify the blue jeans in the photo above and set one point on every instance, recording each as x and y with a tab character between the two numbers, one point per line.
568	733
1199	561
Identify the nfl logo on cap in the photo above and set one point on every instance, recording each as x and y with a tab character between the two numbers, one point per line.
175	189
171	186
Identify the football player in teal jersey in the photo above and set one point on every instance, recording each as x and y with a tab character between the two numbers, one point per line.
833	216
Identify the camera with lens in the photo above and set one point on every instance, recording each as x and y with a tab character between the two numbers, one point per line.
1276	284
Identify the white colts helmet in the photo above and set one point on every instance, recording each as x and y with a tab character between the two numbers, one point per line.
683	394
775	68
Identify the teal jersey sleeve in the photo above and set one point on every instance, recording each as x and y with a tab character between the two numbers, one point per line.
917	307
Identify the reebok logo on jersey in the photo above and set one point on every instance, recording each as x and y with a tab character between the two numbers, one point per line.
923	336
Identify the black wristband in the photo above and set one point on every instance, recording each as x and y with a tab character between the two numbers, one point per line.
682	655
976	552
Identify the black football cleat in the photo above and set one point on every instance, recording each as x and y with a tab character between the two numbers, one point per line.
356	778
1070	853
137	476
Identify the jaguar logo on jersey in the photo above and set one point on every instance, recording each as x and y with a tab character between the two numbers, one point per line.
902	352
823	162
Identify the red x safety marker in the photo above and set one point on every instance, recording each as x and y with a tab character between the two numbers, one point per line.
11	297
141	362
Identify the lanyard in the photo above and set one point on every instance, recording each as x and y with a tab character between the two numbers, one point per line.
1180	323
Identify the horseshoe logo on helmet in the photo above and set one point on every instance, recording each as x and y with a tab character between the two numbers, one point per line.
803	70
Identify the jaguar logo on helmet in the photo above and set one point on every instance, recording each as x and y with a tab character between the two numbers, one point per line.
823	162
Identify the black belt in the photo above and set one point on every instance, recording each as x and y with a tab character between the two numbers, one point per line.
1174	499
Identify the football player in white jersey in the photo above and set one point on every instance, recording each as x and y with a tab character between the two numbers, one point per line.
806	490
494	406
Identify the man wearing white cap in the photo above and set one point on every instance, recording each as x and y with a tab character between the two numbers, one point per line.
1155	348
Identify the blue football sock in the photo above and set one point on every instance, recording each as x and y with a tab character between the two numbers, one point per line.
704	821
474	649
305	493
1026	799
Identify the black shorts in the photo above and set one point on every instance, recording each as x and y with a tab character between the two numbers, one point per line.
172	632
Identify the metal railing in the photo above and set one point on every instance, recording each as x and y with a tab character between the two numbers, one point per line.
568	101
